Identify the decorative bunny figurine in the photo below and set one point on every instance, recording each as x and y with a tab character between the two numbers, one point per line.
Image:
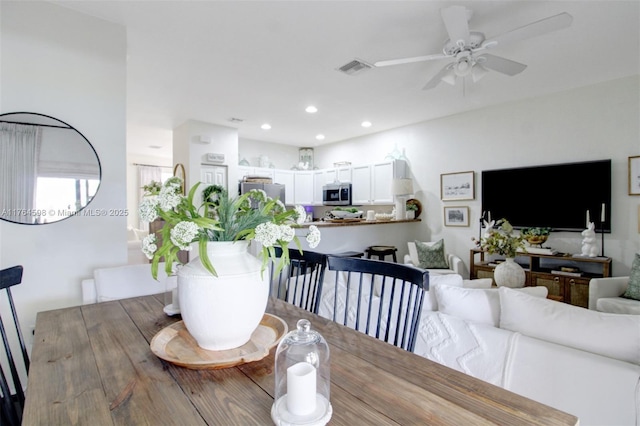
488	227
589	246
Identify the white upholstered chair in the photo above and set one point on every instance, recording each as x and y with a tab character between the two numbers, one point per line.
456	266
605	295
120	282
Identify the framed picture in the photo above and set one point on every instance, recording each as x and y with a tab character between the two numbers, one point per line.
457	186
634	175
306	157
456	216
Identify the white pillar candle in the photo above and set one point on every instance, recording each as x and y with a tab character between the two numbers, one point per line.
301	389
588	219
602	216
489	217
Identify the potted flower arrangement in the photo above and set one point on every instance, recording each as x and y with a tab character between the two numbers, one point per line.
236	288
535	236
501	240
411	210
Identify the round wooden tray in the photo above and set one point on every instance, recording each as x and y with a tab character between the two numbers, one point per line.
175	345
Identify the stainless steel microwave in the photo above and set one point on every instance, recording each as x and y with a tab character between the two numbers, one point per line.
336	194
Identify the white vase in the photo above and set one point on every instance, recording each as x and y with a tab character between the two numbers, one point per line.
509	274
221	312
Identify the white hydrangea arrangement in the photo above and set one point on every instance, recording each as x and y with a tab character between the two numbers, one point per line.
230	219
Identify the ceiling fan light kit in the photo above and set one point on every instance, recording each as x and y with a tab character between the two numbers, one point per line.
467	48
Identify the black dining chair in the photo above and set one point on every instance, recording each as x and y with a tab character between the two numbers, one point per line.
299	283
12	403
381	299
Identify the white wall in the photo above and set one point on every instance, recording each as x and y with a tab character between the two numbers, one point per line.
73	67
595	122
282	156
188	151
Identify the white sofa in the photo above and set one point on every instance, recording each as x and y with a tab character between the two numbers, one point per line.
120	282
605	296
456	266
580	361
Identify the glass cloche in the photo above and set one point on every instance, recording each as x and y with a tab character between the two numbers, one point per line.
302	378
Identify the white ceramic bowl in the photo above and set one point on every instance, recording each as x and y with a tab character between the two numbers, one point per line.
343	214
384	217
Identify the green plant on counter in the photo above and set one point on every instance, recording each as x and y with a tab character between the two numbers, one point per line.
346	209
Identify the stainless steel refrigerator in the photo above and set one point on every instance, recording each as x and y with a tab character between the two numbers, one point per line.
273	190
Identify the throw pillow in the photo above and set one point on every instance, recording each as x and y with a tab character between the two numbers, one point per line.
612	335
633	289
435	280
431	256
477	304
471	304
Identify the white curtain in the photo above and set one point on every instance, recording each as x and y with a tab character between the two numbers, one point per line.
19	152
147	174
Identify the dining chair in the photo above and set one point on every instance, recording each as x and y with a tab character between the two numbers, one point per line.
381	299
300	283
12	404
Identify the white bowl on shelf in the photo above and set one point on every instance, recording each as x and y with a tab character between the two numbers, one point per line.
343	214
384	217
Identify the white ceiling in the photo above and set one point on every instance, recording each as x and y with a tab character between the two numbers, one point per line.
265	61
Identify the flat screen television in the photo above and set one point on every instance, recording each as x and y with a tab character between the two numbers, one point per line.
557	196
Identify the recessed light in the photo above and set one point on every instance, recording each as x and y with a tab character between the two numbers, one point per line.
311	109
366	124
266	126
320	137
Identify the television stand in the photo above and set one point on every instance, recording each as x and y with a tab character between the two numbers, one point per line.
565	275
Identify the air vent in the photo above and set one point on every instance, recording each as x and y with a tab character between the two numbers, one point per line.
355	67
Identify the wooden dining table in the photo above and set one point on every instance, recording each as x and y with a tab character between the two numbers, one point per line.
93	365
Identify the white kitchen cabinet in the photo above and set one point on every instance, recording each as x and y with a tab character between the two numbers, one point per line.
382	180
264	172
286	178
320	179
361	185
339	174
244	171
303	188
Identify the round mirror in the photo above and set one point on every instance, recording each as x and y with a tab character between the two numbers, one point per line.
48	170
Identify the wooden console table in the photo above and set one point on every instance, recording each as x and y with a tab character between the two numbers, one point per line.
538	268
92	365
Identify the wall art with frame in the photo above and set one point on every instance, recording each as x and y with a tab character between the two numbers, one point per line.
456	216
634	175
457	186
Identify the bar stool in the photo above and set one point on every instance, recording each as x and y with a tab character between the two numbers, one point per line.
381	252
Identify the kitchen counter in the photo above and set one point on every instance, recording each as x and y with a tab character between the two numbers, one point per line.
357	236
337	222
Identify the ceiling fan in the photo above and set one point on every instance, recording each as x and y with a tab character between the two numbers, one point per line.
467	48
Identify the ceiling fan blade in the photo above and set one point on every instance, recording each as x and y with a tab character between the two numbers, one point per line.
502	65
436	79
543	26
409	60
456	20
